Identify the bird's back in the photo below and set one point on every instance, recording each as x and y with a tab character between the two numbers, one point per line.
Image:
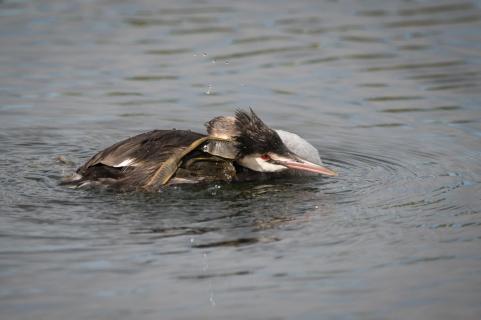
155	158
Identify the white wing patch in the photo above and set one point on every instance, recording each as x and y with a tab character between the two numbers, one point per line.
126	163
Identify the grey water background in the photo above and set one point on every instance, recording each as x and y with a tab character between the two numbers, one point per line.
388	91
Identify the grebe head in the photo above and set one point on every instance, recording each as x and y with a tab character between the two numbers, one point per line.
259	147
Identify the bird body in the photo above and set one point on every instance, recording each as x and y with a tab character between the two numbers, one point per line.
234	149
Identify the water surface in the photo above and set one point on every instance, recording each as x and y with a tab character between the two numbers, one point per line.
388	91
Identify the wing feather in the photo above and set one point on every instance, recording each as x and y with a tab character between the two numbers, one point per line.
138	160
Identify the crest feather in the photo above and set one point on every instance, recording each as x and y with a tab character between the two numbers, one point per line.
254	136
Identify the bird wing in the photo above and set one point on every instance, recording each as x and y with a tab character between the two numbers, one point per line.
149	158
154	146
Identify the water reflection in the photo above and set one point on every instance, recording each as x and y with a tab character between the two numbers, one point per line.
225	215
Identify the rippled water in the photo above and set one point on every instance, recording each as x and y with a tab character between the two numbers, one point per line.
388	91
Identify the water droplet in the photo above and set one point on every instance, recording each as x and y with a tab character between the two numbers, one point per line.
213	61
204	54
226	62
205	265
209	89
211	299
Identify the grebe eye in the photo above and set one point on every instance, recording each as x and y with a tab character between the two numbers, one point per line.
265	157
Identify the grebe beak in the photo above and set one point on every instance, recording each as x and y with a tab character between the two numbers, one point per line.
294	162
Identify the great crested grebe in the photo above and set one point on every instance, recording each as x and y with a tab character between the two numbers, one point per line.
235	148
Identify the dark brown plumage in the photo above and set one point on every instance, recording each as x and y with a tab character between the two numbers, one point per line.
147	153
254	136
